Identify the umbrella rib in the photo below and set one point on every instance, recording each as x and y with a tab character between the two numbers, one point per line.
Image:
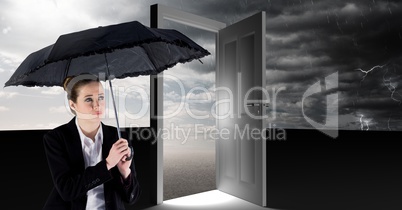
111	91
146	51
67	68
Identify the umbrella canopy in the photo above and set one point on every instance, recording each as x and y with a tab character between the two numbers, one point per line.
116	51
121	50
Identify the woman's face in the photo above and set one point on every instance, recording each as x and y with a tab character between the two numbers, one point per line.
90	102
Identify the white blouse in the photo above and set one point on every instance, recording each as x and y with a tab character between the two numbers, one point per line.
92	152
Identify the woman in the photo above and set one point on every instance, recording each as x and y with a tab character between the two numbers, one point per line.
87	161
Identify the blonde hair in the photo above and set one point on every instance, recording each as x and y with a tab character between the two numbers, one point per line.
66	81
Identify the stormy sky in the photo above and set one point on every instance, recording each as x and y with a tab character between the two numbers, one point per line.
306	40
359	40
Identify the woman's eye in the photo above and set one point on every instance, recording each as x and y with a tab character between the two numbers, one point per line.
88	100
101	98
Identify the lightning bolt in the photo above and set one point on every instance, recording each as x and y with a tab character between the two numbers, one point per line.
387	82
391	88
364	122
370	70
361	122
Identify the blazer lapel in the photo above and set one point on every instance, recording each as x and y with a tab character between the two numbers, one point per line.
108	140
74	144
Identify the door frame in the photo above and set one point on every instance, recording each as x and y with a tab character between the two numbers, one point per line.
158	13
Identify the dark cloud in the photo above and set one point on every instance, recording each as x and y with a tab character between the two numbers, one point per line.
343	31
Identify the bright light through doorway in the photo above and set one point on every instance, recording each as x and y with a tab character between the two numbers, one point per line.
213	199
210	198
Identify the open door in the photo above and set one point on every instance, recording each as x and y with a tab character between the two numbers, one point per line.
241	100
240	79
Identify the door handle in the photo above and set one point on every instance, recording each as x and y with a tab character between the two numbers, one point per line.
258	104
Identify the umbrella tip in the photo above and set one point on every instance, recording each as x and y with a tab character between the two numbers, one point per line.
200	61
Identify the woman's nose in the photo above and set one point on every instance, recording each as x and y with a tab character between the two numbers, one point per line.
96	104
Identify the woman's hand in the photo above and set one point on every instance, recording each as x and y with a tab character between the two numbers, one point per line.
124	165
118	151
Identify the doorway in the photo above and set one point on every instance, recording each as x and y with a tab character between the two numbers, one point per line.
188	125
234	158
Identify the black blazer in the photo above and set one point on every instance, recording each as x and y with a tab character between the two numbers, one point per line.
72	181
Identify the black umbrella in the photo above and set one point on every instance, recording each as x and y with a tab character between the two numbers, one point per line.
117	51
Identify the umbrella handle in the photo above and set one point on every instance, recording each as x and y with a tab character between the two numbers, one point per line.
132	154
